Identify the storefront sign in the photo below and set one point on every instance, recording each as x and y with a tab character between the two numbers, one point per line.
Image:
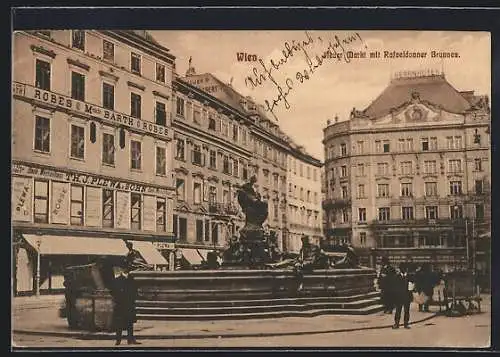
60	203
85	179
21	199
68	103
163	245
93	207
123	210
149	213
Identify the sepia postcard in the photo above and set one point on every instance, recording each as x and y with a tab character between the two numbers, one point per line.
251	188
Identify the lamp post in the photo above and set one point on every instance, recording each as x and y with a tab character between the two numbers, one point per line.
37	276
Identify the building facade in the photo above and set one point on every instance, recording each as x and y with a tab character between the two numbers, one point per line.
91	148
212	159
304	197
409	177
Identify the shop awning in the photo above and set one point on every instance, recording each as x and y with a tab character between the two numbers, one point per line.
68	245
149	252
194	256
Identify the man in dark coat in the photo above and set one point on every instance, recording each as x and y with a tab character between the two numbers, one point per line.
403	296
425	281
124	295
385	283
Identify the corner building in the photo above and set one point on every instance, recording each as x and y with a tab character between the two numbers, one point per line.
91	150
409	177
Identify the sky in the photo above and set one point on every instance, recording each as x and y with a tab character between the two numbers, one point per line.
337	84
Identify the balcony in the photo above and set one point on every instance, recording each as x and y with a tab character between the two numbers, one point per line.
336	202
225	209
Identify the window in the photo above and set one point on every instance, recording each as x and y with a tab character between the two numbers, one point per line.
135	63
384	214
197	156
179	108
407	213
135	105
197	193
161	161
199	230
235	133
161	114
425	144
431	212
409	144
226	168
42	134
315	175
383	190
477	138
41	201
345	215
78	39
456	212
180	189
108	96
362	238
42	79
135	155
406	167
361	169
433	143
430	167
479	211
386	146
302	194
406	189
343	149
108	207
455	187
244	138
212	195
454	142
301	170
455	166
197	116
161	214
431	188
179	154
77	142
135	211
378	146
213	159
308	172
225	197
383	168
76	205
479	187
108	51
211	124
343	171
401	145
361	191
77	86
225	132
478	165
236	168
245	172
361	147
160	73
344	192
362	214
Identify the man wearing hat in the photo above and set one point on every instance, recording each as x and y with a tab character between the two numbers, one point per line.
403	295
385	283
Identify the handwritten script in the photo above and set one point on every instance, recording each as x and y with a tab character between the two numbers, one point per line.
335	48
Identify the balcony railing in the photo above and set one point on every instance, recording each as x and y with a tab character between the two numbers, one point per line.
223	208
336	202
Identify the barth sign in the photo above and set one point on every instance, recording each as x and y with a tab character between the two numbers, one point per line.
67	103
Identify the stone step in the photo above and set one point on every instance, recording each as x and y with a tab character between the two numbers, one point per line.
157	310
260	315
258	302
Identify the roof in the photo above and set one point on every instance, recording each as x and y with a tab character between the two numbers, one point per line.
146	36
432	88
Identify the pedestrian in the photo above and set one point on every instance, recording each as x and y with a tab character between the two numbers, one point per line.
124	295
403	296
385	283
424	284
134	258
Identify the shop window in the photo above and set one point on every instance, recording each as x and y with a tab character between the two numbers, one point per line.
42	79
108	149
161	214
42	134
76	205
108	208
135	105
77	142
108	51
135	155
77	86
108	96
41	201
135	211
78	39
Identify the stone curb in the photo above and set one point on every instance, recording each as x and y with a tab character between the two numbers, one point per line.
111	336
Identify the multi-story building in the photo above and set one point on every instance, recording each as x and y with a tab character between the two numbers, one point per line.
212	158
304	197
409	176
91	149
